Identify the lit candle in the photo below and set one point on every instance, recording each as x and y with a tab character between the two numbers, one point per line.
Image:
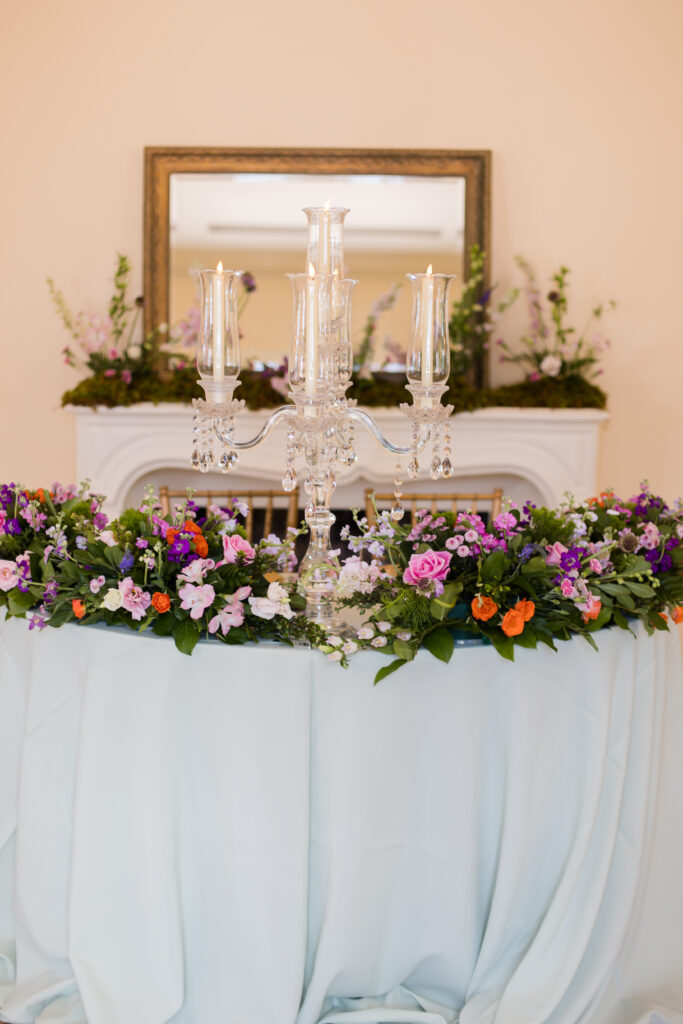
311	359
324	256
427	326
218	324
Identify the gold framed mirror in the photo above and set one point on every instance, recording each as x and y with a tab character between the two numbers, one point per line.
243	206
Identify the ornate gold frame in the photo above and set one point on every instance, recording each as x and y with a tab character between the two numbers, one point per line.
162	161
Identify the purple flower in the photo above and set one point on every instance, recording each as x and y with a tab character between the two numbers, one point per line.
126	376
100	521
126	562
81	542
141	543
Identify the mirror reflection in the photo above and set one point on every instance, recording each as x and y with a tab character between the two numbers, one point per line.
397	224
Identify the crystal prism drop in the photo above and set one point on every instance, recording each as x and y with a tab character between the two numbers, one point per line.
233	459
435	468
289	480
347	455
308	485
195	458
224	462
446	468
413	468
396	512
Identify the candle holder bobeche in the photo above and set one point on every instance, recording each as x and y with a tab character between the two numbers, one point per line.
320	420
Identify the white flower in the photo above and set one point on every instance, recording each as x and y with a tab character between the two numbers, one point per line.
350	647
334	656
264	608
277	593
379	641
108	537
365	633
112	600
383	627
335	641
134	351
551	365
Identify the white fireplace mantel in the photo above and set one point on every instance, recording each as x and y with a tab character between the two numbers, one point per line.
535	454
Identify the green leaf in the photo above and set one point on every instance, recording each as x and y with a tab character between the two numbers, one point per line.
163	625
505	646
534	566
640	589
388	669
439	643
603	618
402	649
493	567
658	622
527	639
20	602
186	635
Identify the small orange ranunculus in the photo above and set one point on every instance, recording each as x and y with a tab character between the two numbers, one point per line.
527	609
191	527
483	608
171	535
677	613
595	610
161	602
513	623
200	545
78	607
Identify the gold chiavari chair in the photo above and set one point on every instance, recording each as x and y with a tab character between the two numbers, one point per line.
459	502
265	500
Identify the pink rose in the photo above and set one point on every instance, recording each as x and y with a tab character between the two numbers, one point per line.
234	546
429	565
555	552
8	574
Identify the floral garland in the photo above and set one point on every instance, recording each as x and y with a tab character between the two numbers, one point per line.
180	575
531	576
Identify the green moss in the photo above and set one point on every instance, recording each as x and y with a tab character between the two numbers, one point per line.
256	390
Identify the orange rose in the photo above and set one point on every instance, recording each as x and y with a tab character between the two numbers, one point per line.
171	535
677	613
190	527
78	607
161	602
513	623
200	546
594	612
483	608
526	608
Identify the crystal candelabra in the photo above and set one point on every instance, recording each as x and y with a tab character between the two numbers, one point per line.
320	420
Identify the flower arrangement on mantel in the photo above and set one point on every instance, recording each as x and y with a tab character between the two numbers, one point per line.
124	370
531	576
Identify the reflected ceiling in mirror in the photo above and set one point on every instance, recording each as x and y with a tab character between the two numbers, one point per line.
408	208
396	225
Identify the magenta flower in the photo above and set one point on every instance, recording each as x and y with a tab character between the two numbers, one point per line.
567	587
197	599
133	598
428	565
237	548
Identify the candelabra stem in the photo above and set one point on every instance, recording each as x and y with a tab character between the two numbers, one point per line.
370	425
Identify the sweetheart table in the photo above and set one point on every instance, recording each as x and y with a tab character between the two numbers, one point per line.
255	836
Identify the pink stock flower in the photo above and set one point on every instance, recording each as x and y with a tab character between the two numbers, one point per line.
232	614
197	599
96	585
596	565
555	552
197	570
3	519
8	574
429	565
650	538
568	589
235	546
133	598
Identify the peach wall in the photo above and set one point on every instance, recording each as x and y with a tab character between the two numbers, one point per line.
580	104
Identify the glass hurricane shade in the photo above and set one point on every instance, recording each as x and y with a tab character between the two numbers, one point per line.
325	250
309	361
218	348
428	360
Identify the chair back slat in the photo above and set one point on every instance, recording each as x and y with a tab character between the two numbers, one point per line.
460	501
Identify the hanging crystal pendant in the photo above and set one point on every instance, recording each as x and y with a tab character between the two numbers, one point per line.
289	480
195	458
347	455
413	468
397	511
446	468
436	468
233	459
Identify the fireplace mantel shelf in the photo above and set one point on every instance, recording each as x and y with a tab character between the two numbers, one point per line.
537	454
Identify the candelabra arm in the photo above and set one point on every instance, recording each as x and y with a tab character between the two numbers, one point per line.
225	436
370	425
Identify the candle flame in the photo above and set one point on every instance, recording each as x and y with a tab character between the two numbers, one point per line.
326	207
311	270
429	270
219	267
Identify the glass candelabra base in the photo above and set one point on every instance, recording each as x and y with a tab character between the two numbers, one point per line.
319	570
